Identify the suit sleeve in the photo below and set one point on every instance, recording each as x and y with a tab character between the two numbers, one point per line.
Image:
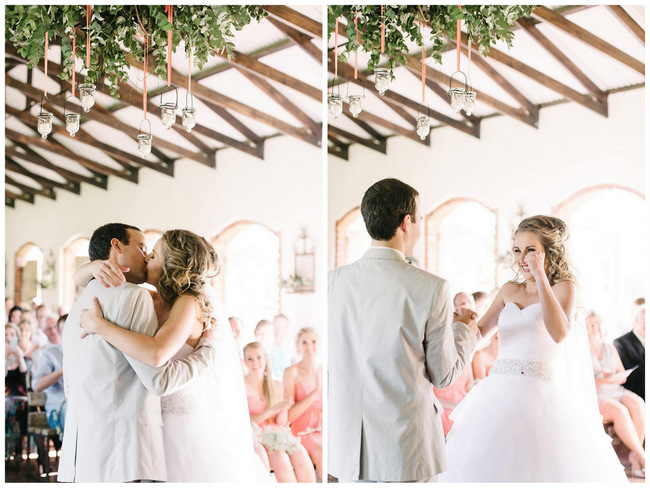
173	375
447	347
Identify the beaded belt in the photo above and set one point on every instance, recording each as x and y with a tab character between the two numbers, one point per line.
543	371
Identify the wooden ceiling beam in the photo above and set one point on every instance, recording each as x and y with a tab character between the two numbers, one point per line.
18	196
205	93
588	38
29	155
543	79
237	124
374	144
254	66
14	166
303	41
44	192
284	102
338	148
298	20
55	146
414	64
563	58
628	22
395	101
10	202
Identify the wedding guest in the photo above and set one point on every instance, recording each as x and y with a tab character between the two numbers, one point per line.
38	336
9	304
48	370
451	396
303	387
286	456
464	300
15	315
42	312
26	343
616	404
15	392
279	357
631	349
485	357
482	301
237	327
264	334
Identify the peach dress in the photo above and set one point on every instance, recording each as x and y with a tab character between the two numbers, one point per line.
309	425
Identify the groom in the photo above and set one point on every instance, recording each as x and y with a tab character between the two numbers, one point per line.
113	430
391	337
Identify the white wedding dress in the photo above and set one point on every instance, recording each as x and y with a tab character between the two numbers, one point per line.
207	430
523	423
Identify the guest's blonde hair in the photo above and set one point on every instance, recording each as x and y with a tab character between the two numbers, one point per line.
270	395
305	330
14	327
189	263
598	321
553	234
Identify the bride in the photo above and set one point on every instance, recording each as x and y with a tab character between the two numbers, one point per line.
535	417
207	433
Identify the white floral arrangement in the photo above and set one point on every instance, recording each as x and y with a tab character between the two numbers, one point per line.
279	439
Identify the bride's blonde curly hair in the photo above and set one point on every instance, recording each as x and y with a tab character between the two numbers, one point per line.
189	263
553	234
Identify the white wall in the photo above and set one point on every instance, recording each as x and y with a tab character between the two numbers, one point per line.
283	191
511	164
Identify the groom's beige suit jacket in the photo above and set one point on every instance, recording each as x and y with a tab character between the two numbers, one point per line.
390	338
113	424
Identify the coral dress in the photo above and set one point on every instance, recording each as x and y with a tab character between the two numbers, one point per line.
309	425
274	437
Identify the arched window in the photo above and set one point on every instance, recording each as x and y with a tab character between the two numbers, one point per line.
74	255
607	248
151	237
461	245
249	282
28	274
352	239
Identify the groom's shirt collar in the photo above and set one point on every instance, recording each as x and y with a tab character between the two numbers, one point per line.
396	251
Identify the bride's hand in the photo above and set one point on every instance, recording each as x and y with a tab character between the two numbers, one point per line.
91	319
108	273
535	262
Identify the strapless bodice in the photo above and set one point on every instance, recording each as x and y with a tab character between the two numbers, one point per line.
523	335
188	400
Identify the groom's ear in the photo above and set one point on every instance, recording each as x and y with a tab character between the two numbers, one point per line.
116	245
405	225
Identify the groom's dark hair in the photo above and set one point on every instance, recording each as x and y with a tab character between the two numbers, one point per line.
384	206
100	243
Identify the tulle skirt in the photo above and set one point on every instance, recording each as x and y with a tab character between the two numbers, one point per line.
512	428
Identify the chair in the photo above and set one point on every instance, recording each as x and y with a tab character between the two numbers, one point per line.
39	429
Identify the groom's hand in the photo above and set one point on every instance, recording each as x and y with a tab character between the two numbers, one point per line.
468	317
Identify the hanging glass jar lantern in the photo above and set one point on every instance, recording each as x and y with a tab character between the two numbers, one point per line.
144	140
382	80
335	100
87	96
457	94
422	122
168	109
189	113
44	125
72	119
354	100
469	101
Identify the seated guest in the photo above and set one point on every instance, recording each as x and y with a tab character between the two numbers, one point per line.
303	387
274	441
237	327
482	301
451	396
48	372
15	315
264	334
15	392
38	336
279	357
9	304
485	357
631	349
616	404
25	342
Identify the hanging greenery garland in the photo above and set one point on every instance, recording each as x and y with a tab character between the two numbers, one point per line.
486	24
116	33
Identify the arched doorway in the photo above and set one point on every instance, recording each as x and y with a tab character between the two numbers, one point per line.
607	247
28	274
461	245
249	282
352	239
